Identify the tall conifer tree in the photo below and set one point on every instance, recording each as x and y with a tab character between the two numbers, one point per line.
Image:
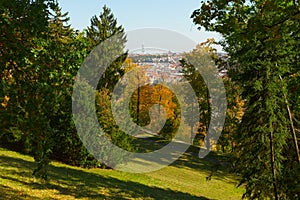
260	37
102	28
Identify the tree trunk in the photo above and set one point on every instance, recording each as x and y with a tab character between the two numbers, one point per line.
294	135
273	166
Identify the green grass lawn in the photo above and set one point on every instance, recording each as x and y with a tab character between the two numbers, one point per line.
184	179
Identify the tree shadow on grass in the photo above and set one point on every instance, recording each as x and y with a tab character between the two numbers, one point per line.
217	166
188	159
9	193
80	184
214	165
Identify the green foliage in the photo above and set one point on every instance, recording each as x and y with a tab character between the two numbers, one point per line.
111	129
69	51
235	107
24	79
102	28
40	56
199	86
261	38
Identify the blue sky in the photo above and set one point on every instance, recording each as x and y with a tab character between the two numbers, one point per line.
135	14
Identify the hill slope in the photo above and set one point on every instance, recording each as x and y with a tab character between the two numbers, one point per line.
185	179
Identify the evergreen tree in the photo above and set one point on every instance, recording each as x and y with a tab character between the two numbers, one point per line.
102	28
68	49
261	37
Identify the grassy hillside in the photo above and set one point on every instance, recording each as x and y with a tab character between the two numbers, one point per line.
185	179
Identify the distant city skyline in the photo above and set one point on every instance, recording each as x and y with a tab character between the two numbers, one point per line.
172	15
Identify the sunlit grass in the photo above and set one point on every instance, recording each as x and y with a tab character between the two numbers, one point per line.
185	179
